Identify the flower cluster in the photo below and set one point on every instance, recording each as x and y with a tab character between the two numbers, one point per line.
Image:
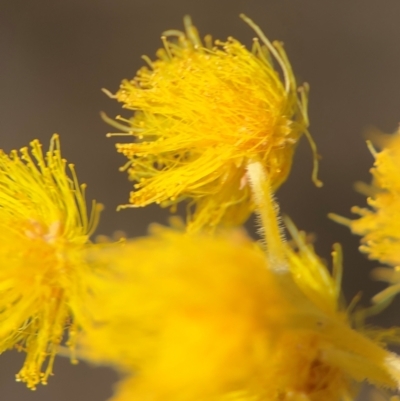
204	312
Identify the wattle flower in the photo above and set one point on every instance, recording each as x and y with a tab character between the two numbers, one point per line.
202	112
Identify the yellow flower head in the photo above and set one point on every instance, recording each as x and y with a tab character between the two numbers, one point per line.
203	110
379	225
43	229
207	318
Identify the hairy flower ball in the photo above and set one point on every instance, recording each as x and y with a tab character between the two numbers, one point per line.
379	225
43	228
206	318
202	111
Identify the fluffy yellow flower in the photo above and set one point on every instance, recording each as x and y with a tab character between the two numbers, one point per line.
202	112
191	318
209	318
43	229
379	225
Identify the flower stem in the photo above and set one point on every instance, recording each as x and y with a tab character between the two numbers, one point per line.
268	212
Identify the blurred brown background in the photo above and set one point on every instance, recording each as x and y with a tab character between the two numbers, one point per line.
57	55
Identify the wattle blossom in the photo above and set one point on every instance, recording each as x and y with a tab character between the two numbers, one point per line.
379	223
189	317
44	228
202	111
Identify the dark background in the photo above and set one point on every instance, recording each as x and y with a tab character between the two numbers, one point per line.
55	56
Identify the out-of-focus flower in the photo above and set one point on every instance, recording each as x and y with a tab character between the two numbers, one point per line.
379	225
312	275
207	318
44	227
203	111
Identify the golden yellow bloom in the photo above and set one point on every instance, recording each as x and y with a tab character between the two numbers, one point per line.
202	112
380	223
208	318
43	228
